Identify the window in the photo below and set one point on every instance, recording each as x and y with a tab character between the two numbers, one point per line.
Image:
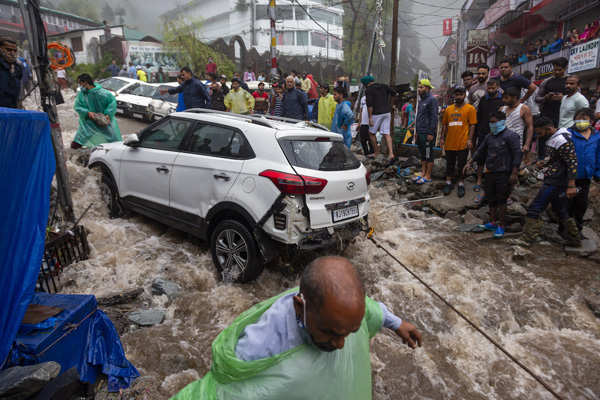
113	84
300	14
76	44
318	39
302	38
284	12
335	43
167	135
326	17
285	38
141	90
219	141
322	156
262	11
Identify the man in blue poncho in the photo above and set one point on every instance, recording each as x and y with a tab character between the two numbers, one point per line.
96	108
343	116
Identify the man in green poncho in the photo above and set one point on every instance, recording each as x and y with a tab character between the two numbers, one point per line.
307	343
96	108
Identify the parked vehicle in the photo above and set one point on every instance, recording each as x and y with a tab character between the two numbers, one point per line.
133	101
248	185
116	84
162	105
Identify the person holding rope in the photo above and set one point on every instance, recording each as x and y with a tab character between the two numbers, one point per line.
307	343
500	155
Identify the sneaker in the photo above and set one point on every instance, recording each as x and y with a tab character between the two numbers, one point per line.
499	233
490	226
460	191
447	189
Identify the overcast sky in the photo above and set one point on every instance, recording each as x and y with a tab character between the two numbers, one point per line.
425	18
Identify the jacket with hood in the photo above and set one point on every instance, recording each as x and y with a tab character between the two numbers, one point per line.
588	154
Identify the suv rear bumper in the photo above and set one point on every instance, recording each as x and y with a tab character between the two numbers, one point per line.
334	235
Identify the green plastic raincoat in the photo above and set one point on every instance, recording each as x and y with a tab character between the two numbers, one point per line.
300	373
96	100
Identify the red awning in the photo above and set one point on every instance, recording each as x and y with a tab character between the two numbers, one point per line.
524	26
548	9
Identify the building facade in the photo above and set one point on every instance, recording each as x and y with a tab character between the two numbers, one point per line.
532	33
11	22
297	34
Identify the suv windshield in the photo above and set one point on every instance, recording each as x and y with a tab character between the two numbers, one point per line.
112	84
322	156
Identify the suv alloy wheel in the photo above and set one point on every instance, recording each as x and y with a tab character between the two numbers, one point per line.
234	252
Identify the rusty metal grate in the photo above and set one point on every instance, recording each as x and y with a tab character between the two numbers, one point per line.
60	251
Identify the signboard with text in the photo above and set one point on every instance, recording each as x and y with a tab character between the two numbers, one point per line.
583	56
447	27
477	48
543	70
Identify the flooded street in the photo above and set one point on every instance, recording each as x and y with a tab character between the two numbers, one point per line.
531	304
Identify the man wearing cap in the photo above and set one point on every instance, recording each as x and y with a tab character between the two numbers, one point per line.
379	108
458	128
239	101
224	87
426	129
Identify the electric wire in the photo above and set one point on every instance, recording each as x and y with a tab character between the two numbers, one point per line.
315	21
465	318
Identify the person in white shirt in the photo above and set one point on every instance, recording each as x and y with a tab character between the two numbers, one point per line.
571	102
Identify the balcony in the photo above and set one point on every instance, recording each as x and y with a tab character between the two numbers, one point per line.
530	65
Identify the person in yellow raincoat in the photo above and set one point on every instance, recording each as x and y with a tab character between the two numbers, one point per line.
238	100
311	342
141	74
96	108
325	107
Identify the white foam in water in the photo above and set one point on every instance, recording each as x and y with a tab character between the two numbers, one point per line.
536	315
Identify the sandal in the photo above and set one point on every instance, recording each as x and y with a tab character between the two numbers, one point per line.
477	188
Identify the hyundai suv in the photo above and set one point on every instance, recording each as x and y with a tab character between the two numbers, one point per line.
249	185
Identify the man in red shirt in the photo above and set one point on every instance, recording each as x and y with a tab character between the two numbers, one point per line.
261	99
211	66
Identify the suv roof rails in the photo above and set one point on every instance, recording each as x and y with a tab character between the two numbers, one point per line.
251	118
290	120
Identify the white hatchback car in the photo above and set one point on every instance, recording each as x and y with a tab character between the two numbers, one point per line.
162	105
249	185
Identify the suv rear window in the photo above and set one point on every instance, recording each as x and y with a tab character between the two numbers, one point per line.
322	156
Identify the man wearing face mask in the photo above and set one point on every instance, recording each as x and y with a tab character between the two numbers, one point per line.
500	155
96	108
306	343
587	147
572	101
559	184
11	73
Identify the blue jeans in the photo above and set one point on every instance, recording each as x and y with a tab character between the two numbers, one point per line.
550	194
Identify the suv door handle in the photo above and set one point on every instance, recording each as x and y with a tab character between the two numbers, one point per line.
162	168
225	177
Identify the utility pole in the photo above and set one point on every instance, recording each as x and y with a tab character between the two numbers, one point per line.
394	58
36	35
273	39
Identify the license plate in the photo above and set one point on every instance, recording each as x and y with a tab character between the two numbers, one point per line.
138	115
344	213
119	111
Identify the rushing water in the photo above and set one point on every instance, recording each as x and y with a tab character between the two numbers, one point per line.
533	306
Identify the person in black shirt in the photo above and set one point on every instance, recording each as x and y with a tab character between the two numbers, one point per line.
11	73
379	107
509	79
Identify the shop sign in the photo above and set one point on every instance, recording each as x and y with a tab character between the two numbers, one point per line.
543	70
583	56
496	11
477	47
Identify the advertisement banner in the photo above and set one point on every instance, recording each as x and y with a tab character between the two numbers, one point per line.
583	56
447	30
150	53
543	70
477	48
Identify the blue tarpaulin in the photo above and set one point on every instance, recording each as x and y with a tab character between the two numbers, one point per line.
26	170
80	336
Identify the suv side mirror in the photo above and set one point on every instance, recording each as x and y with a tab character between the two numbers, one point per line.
132	140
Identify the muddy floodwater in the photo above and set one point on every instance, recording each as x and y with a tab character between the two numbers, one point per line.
532	304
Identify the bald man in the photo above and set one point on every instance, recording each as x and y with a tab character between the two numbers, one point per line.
311	342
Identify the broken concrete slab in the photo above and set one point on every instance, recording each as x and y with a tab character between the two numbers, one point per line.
19	383
114	298
163	286
471	219
150	317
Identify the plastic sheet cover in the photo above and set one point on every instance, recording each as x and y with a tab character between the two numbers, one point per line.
26	169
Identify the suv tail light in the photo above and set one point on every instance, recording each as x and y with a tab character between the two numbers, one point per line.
295	184
368	177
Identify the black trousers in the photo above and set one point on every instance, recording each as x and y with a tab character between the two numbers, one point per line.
456	159
578	205
365	141
497	188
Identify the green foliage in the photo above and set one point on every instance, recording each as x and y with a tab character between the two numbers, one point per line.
83	8
181	37
96	71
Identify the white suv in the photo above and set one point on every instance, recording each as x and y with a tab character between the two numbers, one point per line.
247	184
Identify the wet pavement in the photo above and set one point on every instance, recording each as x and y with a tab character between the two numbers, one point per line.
532	302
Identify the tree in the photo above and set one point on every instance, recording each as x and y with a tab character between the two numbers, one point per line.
82	8
108	14
181	37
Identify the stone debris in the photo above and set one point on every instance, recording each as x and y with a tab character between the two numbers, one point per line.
20	383
163	286
150	317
